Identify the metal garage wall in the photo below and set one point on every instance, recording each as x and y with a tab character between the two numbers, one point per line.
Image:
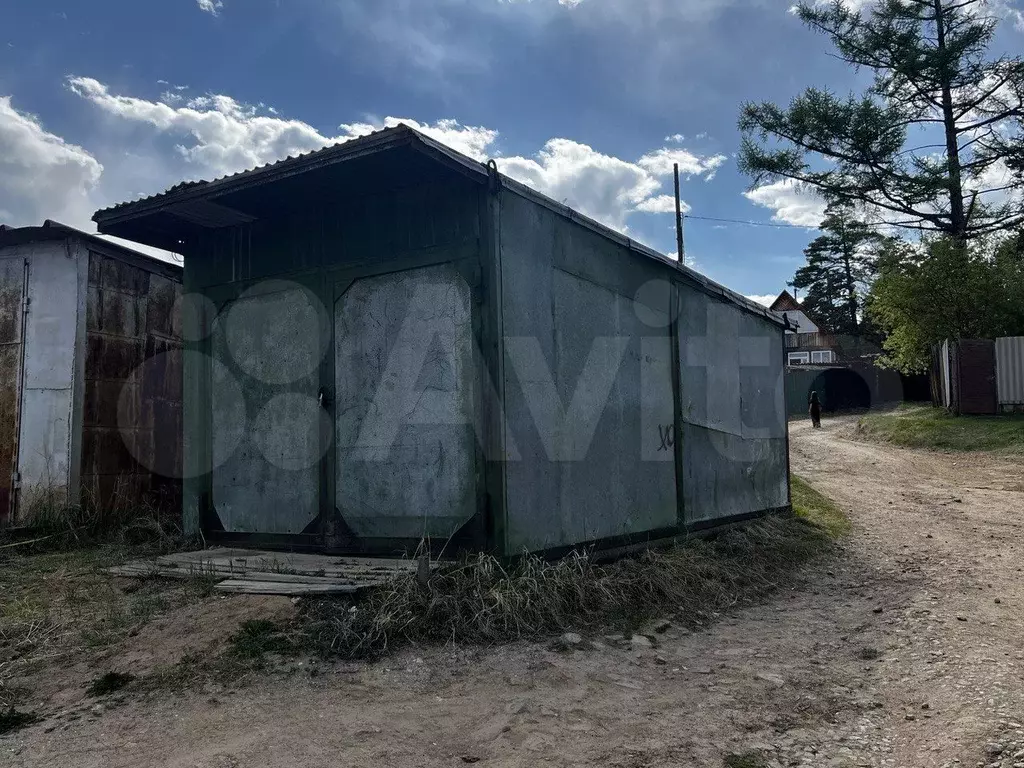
12	284
733	411
56	294
1010	371
131	424
588	386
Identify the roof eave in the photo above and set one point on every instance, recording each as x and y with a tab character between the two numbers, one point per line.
51	231
387	139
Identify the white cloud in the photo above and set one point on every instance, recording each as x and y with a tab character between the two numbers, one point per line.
219	135
689	261
662	204
213	7
995	186
792	203
660	162
998	8
600	186
473	141
765	299
225	136
41	175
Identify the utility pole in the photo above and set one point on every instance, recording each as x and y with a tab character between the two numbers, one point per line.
679	219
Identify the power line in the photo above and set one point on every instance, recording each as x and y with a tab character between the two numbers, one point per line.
749	223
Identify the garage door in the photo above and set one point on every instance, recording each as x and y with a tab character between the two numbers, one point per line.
405	458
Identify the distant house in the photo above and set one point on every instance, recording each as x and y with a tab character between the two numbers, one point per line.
840	368
809	343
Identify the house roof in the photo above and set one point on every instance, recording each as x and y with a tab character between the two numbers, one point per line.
785	303
163	219
53	230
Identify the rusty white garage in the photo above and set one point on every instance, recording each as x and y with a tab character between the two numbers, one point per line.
90	398
388	341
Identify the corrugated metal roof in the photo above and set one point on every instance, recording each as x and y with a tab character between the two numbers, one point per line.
325	155
54	230
387	138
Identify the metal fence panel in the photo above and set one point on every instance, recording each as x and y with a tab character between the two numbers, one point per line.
1010	370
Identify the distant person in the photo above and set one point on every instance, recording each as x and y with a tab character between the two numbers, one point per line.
815	410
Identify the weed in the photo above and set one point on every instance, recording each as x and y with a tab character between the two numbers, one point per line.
752	759
256	638
109	683
13	719
483	600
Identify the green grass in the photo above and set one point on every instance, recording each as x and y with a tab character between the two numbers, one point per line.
753	759
927	427
817	509
256	638
109	682
13	719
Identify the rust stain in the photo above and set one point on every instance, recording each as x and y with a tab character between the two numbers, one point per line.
131	443
11	279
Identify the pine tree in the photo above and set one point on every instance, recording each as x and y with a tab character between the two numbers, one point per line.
838	272
934	144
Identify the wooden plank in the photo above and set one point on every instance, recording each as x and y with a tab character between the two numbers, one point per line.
307	573
290	578
295	589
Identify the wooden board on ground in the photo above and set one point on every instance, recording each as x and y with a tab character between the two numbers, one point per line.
292	588
272	573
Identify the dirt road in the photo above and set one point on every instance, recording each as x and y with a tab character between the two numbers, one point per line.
905	651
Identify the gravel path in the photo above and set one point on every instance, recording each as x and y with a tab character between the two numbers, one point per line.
904	651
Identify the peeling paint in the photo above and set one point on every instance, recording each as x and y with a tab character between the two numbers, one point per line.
12	273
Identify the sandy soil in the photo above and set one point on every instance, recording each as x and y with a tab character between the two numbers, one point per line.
905	651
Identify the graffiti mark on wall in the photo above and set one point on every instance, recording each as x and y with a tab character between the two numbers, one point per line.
667	434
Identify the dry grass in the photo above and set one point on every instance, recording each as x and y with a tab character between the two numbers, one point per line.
56	607
482	601
59	606
46	511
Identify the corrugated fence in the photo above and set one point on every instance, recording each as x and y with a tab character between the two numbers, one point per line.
979	376
1010	371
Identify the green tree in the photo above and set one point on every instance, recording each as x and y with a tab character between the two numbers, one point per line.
840	265
938	290
932	145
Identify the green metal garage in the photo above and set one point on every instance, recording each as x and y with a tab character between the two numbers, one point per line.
388	341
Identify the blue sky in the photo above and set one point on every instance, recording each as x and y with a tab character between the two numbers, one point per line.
588	100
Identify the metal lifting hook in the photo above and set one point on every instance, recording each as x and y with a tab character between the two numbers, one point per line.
492	170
